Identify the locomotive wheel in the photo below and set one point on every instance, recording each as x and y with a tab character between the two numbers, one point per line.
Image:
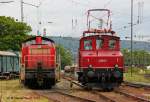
107	87
47	84
53	82
26	82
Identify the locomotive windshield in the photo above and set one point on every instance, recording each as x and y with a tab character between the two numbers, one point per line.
87	44
112	43
99	43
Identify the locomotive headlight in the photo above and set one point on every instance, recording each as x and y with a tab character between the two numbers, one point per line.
116	66
90	72
90	66
117	72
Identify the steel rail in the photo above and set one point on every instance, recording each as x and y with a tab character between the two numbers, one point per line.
73	81
137	85
103	96
132	96
45	95
50	99
75	97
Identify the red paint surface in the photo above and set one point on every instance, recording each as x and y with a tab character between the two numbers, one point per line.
100	58
39	52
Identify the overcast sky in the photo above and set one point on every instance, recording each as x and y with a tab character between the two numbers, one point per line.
61	13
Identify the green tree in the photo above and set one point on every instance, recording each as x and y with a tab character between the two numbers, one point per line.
66	56
140	57
12	33
126	54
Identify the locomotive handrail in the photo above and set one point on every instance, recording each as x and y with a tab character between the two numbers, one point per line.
32	63
99	32
39	55
42	60
48	59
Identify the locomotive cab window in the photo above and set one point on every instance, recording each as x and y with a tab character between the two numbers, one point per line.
99	43
87	44
112	44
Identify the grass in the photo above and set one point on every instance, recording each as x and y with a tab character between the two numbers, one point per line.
136	78
137	75
12	91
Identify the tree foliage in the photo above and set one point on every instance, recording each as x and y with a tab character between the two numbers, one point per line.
140	58
12	33
66	56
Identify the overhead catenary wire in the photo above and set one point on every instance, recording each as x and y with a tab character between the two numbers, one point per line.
108	3
140	12
79	3
116	13
85	5
140	18
135	24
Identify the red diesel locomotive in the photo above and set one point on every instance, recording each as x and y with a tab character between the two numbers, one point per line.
100	59
38	62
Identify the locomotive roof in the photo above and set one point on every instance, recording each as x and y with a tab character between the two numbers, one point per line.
90	36
7	53
43	38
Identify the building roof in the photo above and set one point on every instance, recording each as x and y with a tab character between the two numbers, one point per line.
7	53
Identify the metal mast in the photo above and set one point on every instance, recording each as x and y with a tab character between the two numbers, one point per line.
21	5
131	36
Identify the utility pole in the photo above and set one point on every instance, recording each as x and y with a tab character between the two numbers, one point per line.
131	37
21	5
22	15
22	11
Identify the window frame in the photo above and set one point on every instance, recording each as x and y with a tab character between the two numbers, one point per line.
90	44
114	46
99	44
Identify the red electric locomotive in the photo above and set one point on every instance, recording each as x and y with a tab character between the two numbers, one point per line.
100	59
38	62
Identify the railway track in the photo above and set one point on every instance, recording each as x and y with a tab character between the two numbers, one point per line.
120	95
136	92
45	96
59	96
75	97
137	85
138	98
113	97
73	81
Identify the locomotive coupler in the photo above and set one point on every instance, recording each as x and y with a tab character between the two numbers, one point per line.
39	73
103	77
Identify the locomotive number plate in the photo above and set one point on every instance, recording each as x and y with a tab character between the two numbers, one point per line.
102	60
